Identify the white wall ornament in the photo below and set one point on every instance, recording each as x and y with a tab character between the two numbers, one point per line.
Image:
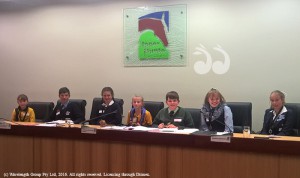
204	66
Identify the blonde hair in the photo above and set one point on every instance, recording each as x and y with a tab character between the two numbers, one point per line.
140	96
281	95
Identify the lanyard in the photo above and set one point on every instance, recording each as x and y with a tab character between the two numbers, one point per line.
23	116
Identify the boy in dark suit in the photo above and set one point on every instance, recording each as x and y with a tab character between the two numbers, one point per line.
66	110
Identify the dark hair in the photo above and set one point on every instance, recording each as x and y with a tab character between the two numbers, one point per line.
64	90
172	95
107	89
213	92
22	97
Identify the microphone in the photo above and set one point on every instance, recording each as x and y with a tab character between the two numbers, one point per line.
224	124
230	131
98	117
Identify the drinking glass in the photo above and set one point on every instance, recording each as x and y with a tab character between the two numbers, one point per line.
246	131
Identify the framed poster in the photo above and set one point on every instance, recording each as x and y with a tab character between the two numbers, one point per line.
155	36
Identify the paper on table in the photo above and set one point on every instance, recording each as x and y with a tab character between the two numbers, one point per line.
187	131
169	130
113	127
222	133
59	122
142	128
46	125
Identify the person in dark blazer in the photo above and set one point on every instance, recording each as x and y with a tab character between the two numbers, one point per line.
108	112
66	110
278	120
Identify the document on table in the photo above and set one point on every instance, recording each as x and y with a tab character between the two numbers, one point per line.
55	123
46	125
187	131
177	131
222	133
135	128
151	129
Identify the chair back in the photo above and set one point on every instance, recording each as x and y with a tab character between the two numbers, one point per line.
153	107
241	115
42	110
98	101
295	107
196	115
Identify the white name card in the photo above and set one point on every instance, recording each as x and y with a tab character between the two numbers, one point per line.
88	130
220	138
4	125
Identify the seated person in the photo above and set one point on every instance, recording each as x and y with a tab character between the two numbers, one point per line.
173	116
278	120
66	110
23	113
216	115
138	115
101	114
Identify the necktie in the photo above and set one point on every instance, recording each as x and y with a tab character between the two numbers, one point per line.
171	113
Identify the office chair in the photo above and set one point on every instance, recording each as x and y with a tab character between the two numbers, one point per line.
241	115
42	110
295	107
153	107
196	115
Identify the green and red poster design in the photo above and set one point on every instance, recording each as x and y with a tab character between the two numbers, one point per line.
155	36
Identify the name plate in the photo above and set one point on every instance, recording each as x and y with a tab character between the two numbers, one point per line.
88	130
220	138
4	125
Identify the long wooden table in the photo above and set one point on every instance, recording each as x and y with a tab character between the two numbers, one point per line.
60	151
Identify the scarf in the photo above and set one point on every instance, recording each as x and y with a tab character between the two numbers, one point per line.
212	113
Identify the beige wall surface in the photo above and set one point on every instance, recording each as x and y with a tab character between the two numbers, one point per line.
45	45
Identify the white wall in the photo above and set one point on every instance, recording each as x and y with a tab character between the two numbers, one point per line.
45	45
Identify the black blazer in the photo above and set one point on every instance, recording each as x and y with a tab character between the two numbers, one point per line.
113	119
283	125
72	111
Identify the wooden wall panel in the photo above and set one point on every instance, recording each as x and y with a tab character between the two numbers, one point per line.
54	150
82	153
174	162
65	155
45	155
16	153
117	157
136	158
99	156
218	163
289	166
157	160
